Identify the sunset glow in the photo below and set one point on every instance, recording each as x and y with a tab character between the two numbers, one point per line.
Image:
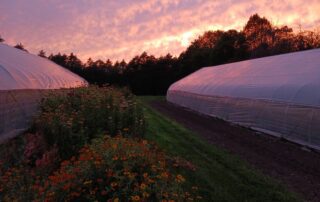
123	29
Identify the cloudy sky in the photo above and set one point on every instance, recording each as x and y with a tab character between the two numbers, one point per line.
118	29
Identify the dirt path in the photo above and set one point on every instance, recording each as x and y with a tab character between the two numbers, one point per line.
289	163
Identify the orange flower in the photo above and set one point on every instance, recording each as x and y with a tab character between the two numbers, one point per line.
180	178
164	175
135	198
109	173
114	184
143	186
114	146
74	194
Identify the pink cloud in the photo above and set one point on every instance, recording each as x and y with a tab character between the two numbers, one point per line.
124	28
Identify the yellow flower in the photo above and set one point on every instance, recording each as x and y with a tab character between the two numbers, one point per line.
126	173
87	182
126	129
145	194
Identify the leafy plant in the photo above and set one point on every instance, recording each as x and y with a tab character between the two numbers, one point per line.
71	119
119	169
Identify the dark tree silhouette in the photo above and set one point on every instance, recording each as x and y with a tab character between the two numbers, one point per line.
150	75
42	54
59	59
259	34
21	47
1	39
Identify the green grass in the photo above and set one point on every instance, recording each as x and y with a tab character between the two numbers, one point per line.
220	175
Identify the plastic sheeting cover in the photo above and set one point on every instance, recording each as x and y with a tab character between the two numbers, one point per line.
22	70
293	78
24	80
279	94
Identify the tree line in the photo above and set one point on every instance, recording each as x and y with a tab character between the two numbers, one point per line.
149	75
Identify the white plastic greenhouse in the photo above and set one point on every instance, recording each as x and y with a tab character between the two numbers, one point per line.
278	95
24	78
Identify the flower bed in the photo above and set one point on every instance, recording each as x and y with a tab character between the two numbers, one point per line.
114	168
67	156
71	120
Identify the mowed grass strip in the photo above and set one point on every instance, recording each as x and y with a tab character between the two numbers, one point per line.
219	175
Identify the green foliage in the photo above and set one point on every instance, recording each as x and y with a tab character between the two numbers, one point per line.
72	118
67	156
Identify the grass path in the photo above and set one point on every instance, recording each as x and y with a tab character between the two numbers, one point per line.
221	176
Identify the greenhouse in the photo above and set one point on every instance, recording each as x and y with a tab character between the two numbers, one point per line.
278	95
24	80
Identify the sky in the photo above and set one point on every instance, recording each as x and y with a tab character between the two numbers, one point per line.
122	29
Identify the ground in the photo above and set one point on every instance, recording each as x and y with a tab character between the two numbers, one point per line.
296	168
220	175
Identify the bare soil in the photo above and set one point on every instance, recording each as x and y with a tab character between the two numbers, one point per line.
294	166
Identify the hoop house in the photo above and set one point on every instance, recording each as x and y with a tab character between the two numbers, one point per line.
24	78
278	95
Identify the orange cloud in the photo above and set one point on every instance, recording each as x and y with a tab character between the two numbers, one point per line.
124	28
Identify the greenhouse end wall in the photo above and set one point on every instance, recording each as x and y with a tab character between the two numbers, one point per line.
24	80
293	122
17	108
